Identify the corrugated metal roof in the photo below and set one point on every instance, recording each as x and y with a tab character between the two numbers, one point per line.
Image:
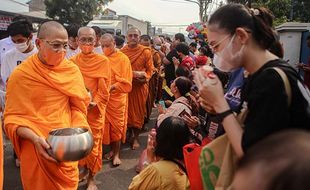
13	6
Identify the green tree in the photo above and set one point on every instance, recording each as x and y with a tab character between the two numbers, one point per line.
301	10
74	11
283	10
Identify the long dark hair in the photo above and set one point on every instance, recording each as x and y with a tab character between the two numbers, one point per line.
258	21
171	136
184	86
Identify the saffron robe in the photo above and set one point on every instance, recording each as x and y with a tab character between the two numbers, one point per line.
141	60
43	98
116	114
96	72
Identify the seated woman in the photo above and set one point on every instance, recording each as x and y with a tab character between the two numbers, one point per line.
183	104
168	171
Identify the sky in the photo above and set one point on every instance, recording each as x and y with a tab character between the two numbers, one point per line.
159	12
176	12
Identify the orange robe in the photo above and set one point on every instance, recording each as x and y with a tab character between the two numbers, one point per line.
153	83
121	77
141	60
43	98
96	72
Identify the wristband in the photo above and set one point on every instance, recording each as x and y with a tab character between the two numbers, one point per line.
221	116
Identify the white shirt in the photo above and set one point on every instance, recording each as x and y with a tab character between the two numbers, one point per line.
6	44
98	50
11	59
70	52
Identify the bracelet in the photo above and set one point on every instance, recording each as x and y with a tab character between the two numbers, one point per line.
221	116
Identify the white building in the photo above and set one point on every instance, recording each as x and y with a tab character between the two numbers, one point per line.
292	36
118	24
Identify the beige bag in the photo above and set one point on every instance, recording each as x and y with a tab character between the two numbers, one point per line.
217	160
217	164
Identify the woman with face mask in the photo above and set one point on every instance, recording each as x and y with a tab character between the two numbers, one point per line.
242	37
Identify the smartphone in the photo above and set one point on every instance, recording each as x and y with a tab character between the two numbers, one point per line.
183	113
162	103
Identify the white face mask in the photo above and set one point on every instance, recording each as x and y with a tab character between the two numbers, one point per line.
226	60
157	47
22	47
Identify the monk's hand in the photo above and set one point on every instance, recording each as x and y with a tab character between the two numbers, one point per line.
91	105
192	121
41	145
141	79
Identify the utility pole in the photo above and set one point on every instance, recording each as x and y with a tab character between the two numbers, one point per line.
292	10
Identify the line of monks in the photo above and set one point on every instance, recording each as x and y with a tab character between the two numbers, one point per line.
48	92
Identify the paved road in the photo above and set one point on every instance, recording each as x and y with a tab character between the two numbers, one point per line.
109	178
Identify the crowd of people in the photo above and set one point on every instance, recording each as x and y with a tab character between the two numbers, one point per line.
235	83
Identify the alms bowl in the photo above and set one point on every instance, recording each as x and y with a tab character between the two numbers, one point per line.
70	144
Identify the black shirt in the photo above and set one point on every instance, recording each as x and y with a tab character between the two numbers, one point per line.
170	69
267	103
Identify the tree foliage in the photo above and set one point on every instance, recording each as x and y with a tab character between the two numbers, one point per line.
74	11
203	8
283	10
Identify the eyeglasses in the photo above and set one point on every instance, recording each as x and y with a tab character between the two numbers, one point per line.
57	45
216	45
87	40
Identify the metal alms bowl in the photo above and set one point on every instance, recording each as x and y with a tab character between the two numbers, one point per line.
70	144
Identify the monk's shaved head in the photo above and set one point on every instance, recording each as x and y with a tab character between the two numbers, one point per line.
87	30
107	36
50	27
107	44
133	36
133	29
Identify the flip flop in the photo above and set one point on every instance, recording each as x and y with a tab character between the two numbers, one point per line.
108	156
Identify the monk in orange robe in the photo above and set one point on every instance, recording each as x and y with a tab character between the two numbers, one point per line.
142	66
145	40
45	92
159	54
96	72
121	84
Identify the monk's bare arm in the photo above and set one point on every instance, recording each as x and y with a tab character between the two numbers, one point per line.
39	142
26	133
